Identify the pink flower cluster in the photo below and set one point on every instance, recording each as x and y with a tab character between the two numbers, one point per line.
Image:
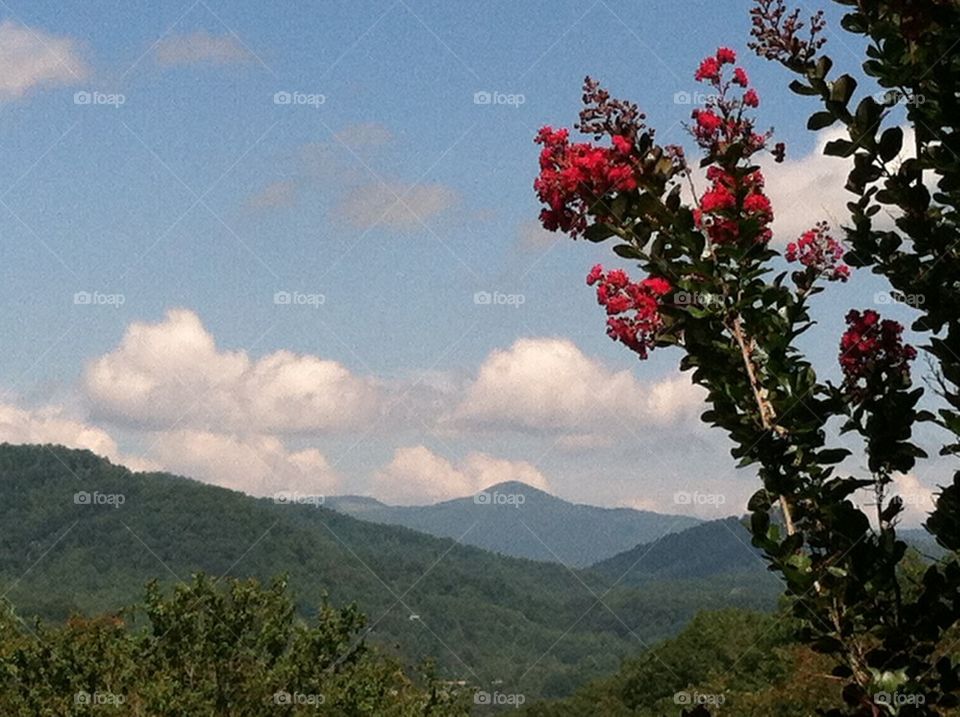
871	348
730	201
633	308
573	176
735	200
817	250
721	122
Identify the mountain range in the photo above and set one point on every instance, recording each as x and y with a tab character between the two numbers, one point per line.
515	519
80	534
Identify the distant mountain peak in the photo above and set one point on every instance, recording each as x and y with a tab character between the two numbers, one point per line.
518	519
517	487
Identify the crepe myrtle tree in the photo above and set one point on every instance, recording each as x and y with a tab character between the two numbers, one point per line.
712	289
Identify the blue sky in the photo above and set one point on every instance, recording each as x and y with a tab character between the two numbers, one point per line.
183	185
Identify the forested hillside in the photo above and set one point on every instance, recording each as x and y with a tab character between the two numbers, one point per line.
540	628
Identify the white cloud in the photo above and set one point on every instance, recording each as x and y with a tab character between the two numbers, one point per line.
32	58
200	47
918	500
394	205
418	476
549	385
259	465
255	464
808	189
173	373
51	424
647	504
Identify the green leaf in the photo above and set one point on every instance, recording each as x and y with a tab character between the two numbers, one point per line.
891	141
839	148
598	232
627	251
802	89
820	120
842	90
832	456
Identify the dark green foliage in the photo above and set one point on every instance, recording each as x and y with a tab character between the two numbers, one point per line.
482	617
911	53
717	548
234	649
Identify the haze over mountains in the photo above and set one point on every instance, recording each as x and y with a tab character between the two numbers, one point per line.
515	519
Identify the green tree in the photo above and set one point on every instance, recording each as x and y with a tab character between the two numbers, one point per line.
236	650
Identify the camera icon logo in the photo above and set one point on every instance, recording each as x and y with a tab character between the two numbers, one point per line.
282	98
483	298
482	98
282	298
682	98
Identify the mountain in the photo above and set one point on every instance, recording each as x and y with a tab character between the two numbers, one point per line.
718	548
521	521
79	534
714	548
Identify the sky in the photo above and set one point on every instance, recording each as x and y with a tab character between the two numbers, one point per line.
294	247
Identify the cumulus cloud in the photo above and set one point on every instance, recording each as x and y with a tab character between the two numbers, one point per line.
418	476
809	188
51	424
549	385
918	499
258	465
32	58
172	373
394	205
200	48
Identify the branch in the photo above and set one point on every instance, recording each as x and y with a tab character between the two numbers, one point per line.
768	416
